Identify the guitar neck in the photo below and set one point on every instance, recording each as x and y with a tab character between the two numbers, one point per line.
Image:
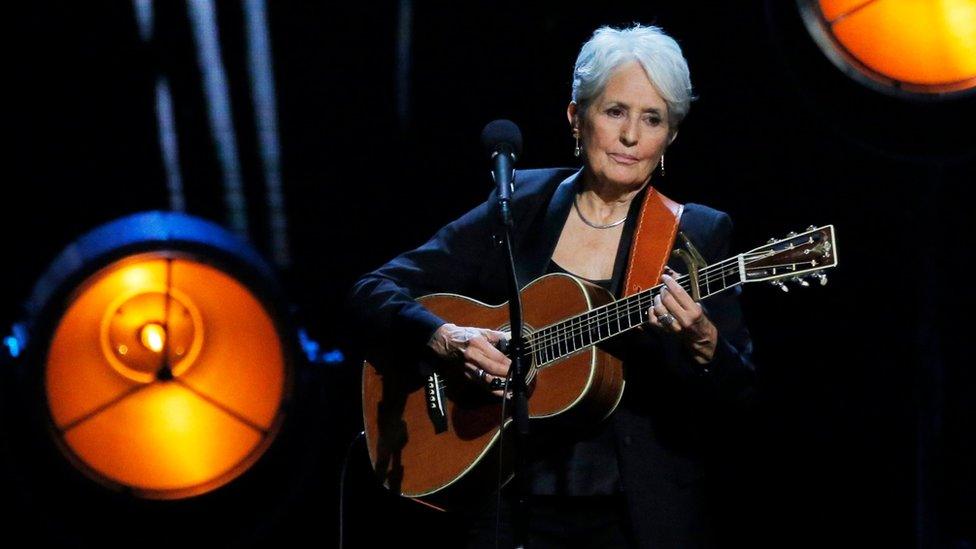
795	258
596	325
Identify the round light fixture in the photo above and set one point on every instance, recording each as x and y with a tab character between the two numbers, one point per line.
161	359
906	48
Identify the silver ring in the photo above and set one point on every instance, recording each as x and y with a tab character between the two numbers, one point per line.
666	320
498	383
482	373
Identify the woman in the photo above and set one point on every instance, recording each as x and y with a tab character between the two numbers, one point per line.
635	478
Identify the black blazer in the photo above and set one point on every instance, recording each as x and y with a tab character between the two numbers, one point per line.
662	424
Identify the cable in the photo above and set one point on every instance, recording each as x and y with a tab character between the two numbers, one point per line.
342	486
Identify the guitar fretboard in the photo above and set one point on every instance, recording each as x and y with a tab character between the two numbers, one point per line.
579	332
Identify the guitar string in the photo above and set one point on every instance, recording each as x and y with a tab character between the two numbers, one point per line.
637	303
626	309
604	314
551	343
616	311
620	310
615	307
571	337
710	277
580	324
605	311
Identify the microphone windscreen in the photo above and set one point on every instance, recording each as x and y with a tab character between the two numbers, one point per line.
502	134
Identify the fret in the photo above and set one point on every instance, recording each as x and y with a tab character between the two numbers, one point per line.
537	339
578	336
562	348
564	338
571	335
637	316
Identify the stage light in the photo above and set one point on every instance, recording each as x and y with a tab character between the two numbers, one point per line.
161	353
908	48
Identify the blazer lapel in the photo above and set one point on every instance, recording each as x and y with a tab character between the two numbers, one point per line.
539	242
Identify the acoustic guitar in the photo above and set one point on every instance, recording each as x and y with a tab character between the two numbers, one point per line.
433	436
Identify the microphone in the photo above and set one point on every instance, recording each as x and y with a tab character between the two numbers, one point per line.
502	140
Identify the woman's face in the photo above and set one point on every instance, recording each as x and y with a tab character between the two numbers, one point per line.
624	131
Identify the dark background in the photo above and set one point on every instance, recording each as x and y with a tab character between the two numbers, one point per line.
866	431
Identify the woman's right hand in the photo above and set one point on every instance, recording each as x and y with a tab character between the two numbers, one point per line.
476	349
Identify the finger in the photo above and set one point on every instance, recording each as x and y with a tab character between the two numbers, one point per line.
659	308
494	336
678	292
681	317
496	385
472	371
652	319
655	312
500	340
475	372
487	357
488	349
689	315
677	315
662	313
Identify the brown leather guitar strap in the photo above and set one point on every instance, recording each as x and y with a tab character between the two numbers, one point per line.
653	239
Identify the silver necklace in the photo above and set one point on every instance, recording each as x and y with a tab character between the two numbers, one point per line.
588	222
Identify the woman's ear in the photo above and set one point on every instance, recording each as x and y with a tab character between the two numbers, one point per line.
572	115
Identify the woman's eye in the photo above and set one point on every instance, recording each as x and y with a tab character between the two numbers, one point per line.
653	120
615	112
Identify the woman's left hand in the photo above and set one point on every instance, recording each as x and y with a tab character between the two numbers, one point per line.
675	312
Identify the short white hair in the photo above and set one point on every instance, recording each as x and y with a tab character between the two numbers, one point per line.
658	54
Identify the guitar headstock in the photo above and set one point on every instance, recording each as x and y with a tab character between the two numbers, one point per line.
797	258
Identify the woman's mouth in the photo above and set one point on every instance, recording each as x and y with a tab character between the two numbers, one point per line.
625	159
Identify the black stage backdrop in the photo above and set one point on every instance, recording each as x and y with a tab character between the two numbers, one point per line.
865	435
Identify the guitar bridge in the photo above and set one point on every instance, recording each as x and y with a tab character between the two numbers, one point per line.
435	403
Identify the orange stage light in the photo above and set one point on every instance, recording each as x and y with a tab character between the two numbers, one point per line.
166	375
905	47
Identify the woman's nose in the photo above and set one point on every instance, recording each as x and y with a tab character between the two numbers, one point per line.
628	133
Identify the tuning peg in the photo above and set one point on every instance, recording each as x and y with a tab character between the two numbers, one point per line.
771	241
811	228
780	285
791	234
800	281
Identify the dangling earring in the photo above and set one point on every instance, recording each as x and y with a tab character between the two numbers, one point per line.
576	152
662	165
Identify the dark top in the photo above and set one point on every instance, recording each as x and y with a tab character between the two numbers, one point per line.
662	425
580	463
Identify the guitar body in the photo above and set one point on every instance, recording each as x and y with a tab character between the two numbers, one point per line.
440	464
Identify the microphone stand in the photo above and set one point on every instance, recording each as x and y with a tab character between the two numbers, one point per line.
517	386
